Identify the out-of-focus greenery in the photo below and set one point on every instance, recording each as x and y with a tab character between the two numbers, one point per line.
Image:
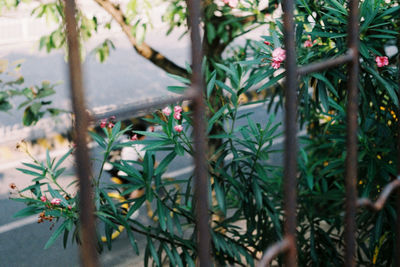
34	99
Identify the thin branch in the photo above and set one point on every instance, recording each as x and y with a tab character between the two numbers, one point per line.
378	205
273	251
143	49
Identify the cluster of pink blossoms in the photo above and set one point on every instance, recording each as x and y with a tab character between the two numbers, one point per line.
109	123
54	201
381	61
177	116
278	56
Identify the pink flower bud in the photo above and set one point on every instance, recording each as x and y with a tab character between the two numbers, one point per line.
267	43
112	118
134	137
308	43
275	64
110	125
166	111
69	207
43	198
103	123
178	109
56	201
382	61
177	115
178	128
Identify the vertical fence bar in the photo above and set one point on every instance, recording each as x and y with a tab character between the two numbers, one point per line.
201	182
397	263
290	155
86	217
351	157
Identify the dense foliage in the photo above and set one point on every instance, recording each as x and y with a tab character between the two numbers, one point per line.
245	194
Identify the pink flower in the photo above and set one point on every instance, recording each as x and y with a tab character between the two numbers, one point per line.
178	128
43	198
178	109
69	207
166	111
278	54
103	123
134	137
267	43
110	125
56	201
276	64
308	43
382	61
177	115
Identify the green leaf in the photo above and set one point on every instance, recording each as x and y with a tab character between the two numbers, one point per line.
33	166
179	78
61	160
271	82
169	254
211	83
177	89
138	203
36	174
210	32
161	215
153	251
164	163
220	195
29	117
109	200
55	234
48	159
30	210
132	239
179	149
99	140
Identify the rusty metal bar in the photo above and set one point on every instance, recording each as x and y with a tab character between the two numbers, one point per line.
142	109
397	263
273	251
290	154
380	203
201	181
86	216
351	157
323	65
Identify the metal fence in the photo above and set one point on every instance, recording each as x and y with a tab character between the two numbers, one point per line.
195	94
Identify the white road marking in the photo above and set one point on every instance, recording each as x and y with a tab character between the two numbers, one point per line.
17	224
179	172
